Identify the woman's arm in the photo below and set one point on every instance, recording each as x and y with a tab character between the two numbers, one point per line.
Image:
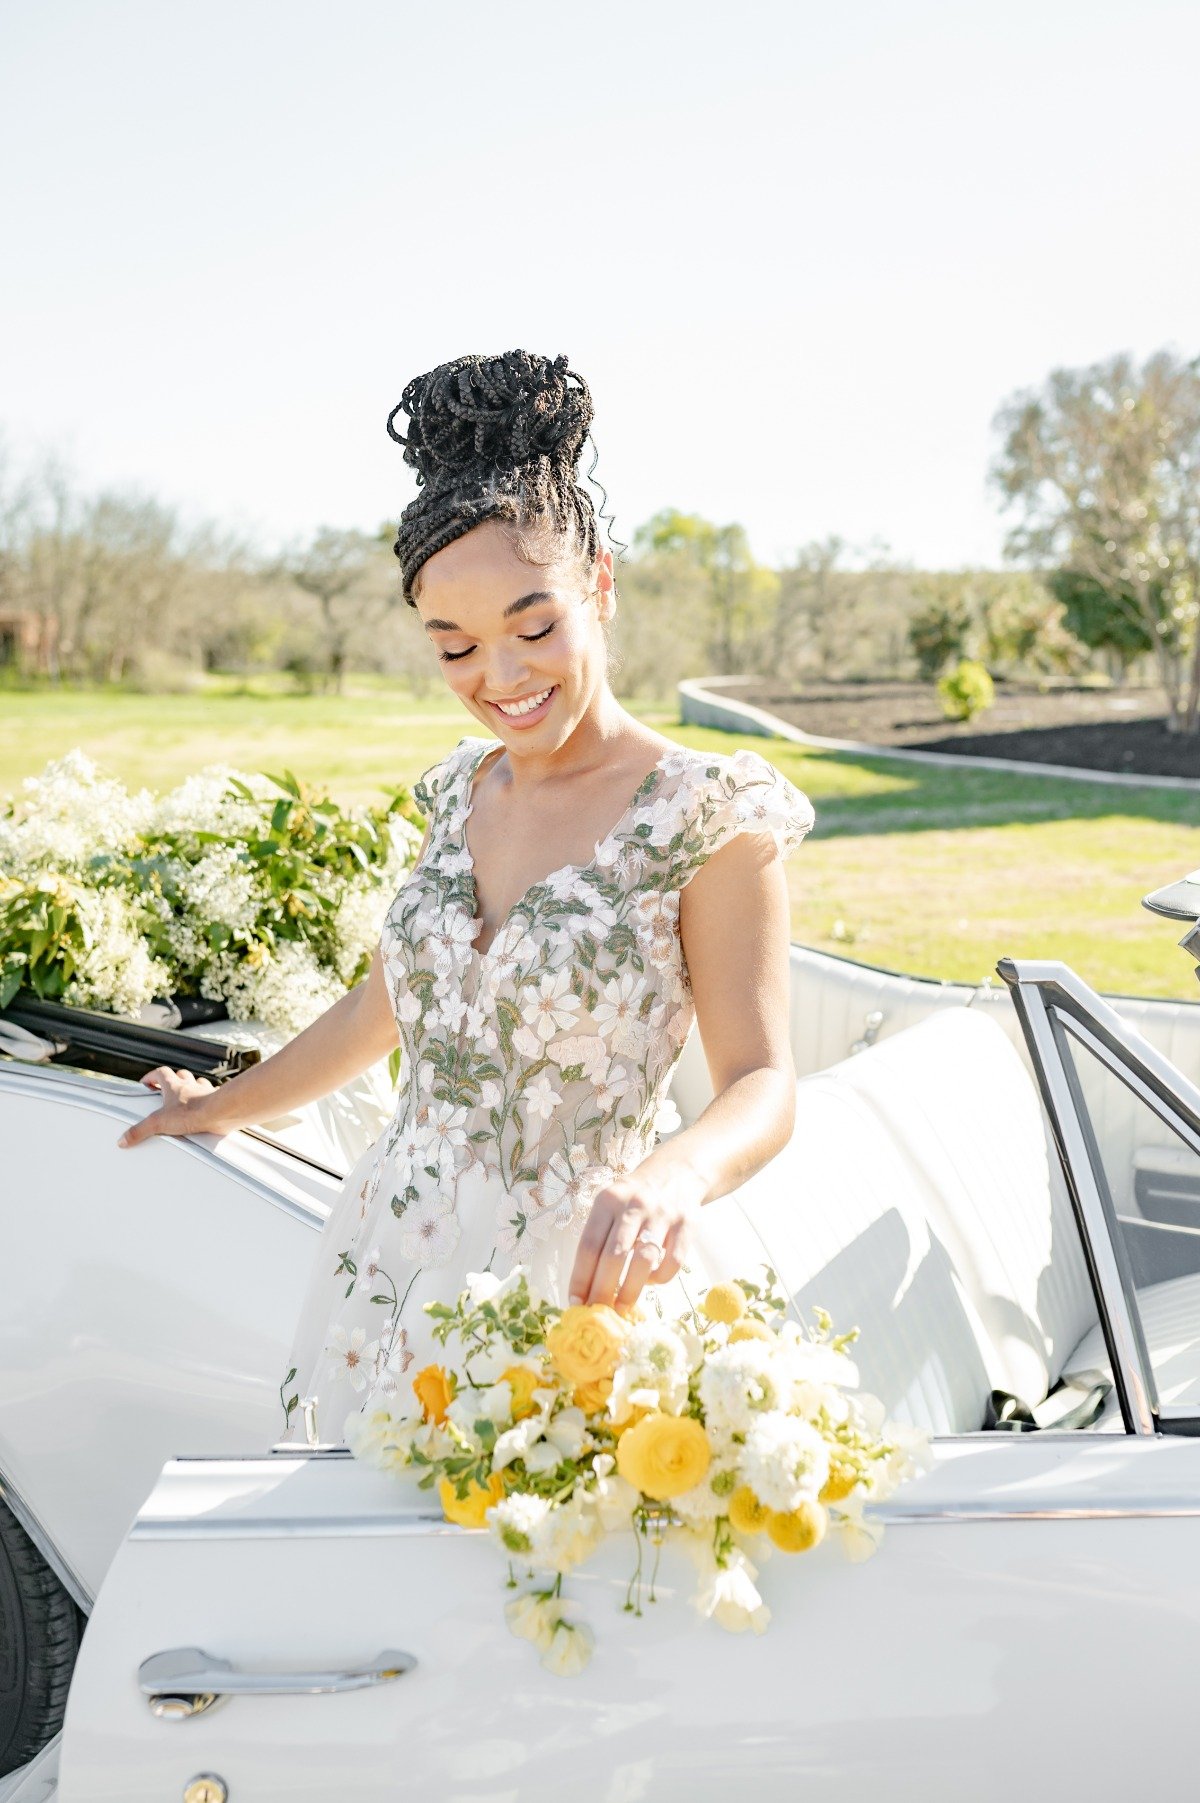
735	925
353	1034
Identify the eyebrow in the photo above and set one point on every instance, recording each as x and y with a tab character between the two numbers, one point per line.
514	607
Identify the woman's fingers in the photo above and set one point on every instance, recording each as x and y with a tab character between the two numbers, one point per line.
641	1270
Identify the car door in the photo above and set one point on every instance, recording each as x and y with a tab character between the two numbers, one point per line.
357	1646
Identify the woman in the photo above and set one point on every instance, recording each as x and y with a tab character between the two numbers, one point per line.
585	889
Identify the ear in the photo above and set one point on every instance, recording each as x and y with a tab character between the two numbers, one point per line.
605	584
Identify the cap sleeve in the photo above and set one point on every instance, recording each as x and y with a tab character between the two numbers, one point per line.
434	784
744	793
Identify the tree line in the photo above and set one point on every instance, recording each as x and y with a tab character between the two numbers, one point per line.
1100	469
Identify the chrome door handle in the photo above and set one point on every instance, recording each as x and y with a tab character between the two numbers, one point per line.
185	1681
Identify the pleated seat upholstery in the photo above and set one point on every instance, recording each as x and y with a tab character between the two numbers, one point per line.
920	1199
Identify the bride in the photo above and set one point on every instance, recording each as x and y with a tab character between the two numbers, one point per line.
584	891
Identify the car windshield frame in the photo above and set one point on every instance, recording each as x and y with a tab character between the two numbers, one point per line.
1054	1005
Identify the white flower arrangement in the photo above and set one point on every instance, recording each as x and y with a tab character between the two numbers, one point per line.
250	889
552	1428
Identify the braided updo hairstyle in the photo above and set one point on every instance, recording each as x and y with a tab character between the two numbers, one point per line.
496	438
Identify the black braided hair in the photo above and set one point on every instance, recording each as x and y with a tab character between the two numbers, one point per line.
494	438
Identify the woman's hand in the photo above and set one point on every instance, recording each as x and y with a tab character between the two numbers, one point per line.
182	1092
637	1233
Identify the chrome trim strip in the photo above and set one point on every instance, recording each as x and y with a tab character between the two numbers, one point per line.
70	1580
1103	1248
401	1527
191	1146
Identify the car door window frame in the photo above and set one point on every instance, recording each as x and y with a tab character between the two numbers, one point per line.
1053	1003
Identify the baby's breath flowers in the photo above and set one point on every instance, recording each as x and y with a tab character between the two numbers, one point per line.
733	1428
253	890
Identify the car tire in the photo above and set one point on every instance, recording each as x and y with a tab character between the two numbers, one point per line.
40	1630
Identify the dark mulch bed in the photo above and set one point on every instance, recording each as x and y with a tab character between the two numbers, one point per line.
1088	729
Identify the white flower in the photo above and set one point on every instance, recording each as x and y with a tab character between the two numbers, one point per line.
785	1460
653	1372
449	937
563	1193
430	1231
532	1617
450	1012
516	1521
617	1009
482	1286
554	1007
369	1270
351	1353
408	1006
728	1594
585	1049
490	1093
667	1116
655	917
570	1647
447	1128
541	1097
740	1382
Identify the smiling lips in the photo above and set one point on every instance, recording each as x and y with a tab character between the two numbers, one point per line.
529	707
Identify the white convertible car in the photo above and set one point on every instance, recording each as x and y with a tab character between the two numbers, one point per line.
1000	1185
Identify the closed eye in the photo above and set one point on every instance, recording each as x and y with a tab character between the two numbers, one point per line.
450	657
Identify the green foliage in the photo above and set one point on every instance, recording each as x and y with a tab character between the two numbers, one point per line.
1106	618
938	631
966	690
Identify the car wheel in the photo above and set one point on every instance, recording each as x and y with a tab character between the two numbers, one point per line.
40	1629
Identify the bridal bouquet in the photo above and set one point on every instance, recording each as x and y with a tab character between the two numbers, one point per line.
731	1430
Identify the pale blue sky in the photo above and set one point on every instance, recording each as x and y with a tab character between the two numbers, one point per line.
800	252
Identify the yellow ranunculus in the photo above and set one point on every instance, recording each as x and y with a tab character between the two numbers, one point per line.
664	1455
631	1420
839	1483
749	1329
586	1342
434	1389
799	1530
725	1302
746	1514
470	1511
524	1380
593	1398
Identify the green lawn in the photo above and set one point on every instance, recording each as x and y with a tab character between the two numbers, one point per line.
932	870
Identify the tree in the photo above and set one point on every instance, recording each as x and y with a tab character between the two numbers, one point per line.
938	630
1105	463
334	570
740	593
1110	623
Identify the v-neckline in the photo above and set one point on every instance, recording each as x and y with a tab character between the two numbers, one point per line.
464	810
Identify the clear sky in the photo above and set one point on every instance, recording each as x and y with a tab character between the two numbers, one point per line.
799	251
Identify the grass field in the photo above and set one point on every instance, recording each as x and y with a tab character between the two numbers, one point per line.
935	871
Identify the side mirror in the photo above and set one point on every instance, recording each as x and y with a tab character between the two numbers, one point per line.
1180	901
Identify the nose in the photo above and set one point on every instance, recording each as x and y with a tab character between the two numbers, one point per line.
507	669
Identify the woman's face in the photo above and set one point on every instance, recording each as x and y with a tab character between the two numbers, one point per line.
511	633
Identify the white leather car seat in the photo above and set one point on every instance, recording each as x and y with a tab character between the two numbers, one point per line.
919	1198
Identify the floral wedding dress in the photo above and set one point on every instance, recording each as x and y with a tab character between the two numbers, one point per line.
532	1073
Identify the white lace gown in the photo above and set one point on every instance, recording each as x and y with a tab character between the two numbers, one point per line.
532	1073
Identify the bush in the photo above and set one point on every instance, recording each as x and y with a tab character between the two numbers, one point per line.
966	690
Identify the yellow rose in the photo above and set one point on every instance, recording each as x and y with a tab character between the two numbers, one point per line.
664	1455
725	1302
746	1514
798	1531
524	1381
593	1398
470	1511
434	1389
586	1342
838	1485
749	1329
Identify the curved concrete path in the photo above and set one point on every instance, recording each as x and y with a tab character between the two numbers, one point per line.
702	705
